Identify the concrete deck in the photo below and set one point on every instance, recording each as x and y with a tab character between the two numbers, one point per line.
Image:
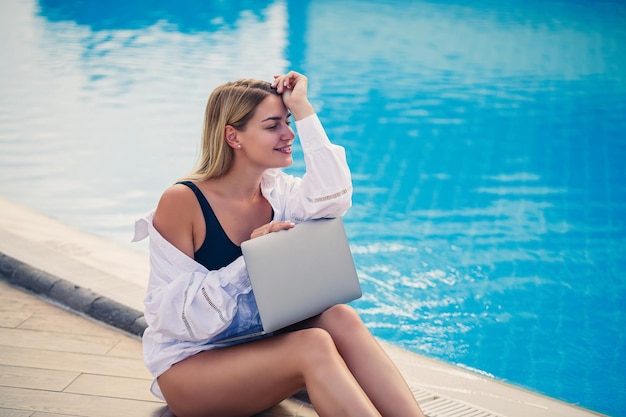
102	282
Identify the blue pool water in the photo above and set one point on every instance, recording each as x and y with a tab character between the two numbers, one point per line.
486	138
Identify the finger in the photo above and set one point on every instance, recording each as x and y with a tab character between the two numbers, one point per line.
282	80
283	225
291	79
260	231
281	85
273	226
276	79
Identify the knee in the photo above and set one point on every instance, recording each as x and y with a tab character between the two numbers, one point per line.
314	345
342	318
315	339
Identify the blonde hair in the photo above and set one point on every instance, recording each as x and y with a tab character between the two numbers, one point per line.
234	104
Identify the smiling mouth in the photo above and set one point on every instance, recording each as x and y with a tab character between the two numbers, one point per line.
285	149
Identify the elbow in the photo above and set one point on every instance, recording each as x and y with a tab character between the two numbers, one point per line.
344	202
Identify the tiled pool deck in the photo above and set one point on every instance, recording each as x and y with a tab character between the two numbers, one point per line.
57	362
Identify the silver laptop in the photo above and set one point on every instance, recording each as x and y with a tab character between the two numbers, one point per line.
298	273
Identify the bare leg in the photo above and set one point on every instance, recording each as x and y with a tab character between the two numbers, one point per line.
373	369
245	379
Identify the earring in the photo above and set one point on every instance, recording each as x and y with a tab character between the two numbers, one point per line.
239	146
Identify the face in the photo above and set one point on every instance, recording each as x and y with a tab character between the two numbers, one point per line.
267	138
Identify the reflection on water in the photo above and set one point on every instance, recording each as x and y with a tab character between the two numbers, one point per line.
95	122
486	142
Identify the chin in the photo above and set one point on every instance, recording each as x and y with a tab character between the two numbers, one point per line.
287	163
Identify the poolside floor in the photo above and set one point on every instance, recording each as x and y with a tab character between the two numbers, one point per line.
57	362
54	362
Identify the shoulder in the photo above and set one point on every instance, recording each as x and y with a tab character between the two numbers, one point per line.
177	194
177	199
174	215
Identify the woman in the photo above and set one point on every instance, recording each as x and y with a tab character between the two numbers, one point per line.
199	290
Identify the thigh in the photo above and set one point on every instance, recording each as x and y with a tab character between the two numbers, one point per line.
238	380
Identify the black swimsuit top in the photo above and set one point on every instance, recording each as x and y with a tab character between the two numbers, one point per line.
217	250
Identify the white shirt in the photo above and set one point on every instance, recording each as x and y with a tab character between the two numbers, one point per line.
186	305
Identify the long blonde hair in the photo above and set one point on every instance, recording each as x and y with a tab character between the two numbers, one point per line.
232	104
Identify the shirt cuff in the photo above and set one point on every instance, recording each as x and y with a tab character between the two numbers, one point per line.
311	133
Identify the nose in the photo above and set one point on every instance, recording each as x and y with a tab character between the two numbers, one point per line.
288	134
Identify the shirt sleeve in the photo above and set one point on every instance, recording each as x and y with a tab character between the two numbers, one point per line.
325	190
185	301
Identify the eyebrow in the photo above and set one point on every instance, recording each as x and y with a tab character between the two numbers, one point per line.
276	118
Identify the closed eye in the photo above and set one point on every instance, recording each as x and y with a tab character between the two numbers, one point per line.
274	126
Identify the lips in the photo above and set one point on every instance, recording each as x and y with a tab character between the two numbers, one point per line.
284	149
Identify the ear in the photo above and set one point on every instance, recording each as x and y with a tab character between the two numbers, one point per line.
230	136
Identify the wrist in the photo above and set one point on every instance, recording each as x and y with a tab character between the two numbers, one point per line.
302	110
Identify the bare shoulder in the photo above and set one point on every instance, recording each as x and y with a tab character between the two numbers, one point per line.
174	215
177	195
178	200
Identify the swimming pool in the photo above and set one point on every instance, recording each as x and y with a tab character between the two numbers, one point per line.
486	141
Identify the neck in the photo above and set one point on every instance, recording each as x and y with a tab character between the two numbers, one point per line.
240	186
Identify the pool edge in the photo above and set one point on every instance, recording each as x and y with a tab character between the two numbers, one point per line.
107	281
